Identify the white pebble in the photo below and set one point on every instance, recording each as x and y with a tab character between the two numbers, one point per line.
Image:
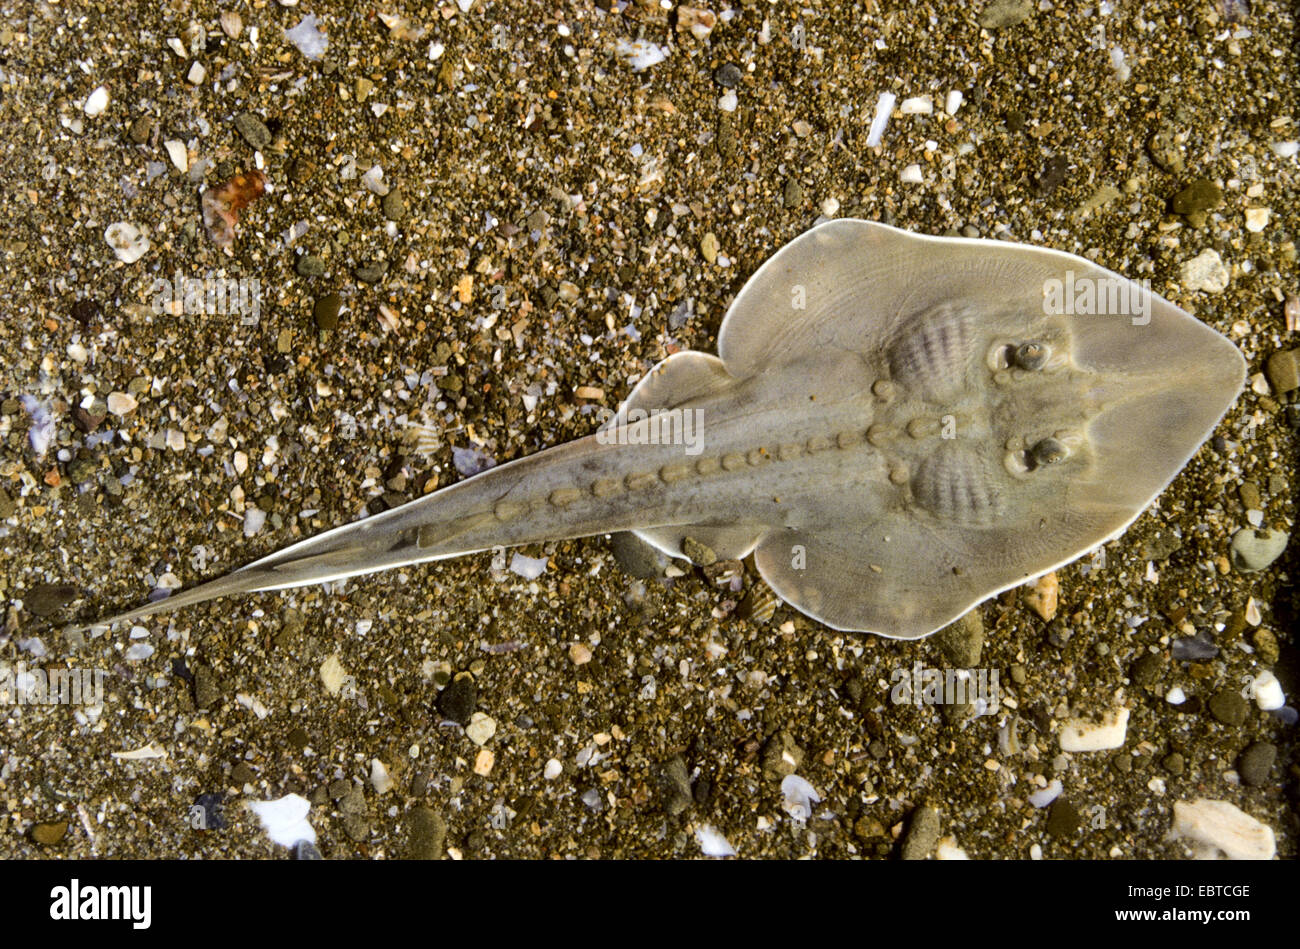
1176	696
728	101
1267	691
137	651
953	102
126	240
917	105
77	352
121	403
333	675
713	843
196	75
480	728
380	779
948	850
553	769
1257	219
831	207
177	152
1222	828
1285	149
175	440
1081	735
911	175
1205	272
254	518
96	102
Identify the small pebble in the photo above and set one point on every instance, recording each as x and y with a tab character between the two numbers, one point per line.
1228	707
1256	763
481	728
728	75
1283	370
922	834
326	312
1220	826
1079	734
1205	272
49	834
1254	550
96	102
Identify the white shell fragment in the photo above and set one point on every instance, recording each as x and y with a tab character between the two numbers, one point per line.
177	152
530	568
1044	796
96	102
127	242
713	843
149	751
911	175
308	37
1267	691
953	102
1221	829
1082	735
917	105
884	106
380	779
285	820
800	796
640	54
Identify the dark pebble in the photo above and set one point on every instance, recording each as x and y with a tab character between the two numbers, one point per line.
1062	818
140	130
48	598
426	833
1229	707
86	312
456	703
1199	196
1256	763
208	812
326	312
1146	670
675	780
49	834
85	422
394	205
728	75
309	265
922	834
1174	763
371	272
253	130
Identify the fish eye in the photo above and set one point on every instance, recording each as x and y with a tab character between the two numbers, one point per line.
1031	355
1049	451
